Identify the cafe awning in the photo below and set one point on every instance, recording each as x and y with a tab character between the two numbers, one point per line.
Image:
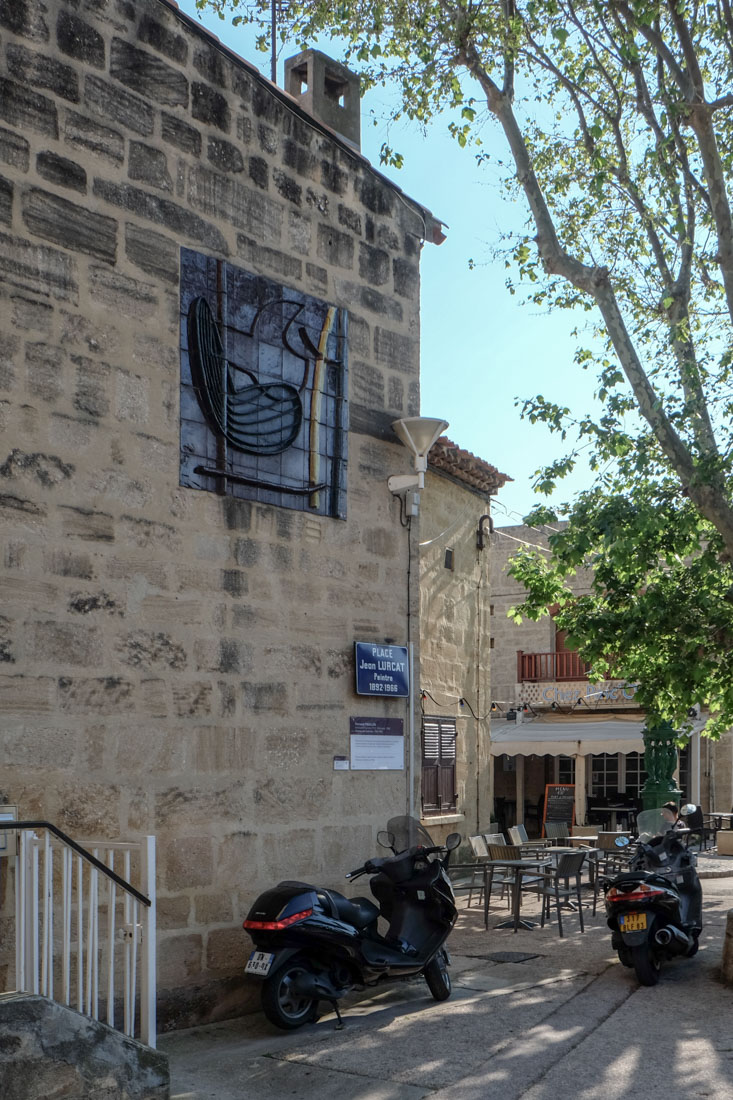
546	736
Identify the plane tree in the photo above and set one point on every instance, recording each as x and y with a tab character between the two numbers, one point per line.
616	120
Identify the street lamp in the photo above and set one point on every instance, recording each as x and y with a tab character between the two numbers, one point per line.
418	433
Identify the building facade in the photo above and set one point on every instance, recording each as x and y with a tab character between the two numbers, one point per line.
455	644
210	318
551	724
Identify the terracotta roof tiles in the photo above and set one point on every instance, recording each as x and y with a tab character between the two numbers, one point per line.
449	458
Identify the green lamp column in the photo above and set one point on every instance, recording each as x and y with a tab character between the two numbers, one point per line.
660	762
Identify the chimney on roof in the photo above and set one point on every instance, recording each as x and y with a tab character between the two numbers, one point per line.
328	91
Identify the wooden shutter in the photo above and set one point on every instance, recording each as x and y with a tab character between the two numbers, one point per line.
438	764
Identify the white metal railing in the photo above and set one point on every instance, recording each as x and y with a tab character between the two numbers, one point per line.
84	934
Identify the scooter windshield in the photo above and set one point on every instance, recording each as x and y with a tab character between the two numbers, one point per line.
651	823
408	833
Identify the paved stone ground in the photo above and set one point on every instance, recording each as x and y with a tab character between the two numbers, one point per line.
532	1016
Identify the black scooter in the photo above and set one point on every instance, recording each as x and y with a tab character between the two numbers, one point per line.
654	909
314	944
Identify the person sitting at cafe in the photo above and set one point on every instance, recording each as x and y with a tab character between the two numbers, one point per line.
671	813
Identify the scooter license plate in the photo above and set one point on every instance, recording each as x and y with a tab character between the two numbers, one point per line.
259	963
632	922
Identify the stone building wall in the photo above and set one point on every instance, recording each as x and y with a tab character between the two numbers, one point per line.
506	592
454	638
717	761
174	661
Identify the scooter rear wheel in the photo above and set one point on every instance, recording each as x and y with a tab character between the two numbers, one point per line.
646	965
438	978
282	1004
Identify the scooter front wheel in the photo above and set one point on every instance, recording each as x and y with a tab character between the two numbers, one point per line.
282	1004
438	978
646	964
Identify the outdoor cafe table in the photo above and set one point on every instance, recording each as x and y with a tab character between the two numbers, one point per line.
554	852
520	867
720	817
614	812
591	841
529	850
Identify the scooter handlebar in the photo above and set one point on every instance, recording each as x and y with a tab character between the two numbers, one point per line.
368	868
372	866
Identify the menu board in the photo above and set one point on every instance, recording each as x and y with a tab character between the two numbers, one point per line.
559	804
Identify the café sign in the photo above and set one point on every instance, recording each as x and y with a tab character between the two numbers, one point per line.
382	670
602	694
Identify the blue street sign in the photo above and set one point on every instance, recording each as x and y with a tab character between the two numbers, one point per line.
382	670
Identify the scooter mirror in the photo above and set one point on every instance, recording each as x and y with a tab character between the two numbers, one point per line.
452	841
385	839
621	841
690	808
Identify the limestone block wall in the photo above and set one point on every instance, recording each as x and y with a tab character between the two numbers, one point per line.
454	635
506	592
173	661
717	773
508	636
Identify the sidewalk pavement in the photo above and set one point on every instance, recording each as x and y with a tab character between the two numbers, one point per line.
531	1017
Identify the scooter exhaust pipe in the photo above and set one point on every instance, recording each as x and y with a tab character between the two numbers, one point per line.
664	937
314	985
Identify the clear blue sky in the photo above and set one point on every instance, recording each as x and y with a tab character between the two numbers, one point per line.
481	347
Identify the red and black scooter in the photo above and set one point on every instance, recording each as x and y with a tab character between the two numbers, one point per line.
654	909
313	944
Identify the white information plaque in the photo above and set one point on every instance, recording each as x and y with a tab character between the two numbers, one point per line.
377	753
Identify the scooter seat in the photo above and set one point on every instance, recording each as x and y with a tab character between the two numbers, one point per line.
359	912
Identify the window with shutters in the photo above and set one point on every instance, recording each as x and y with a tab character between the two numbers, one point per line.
438	765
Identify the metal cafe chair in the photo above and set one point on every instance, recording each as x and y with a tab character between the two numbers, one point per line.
481	854
556	830
518	836
702	826
494	838
558	888
466	876
610	860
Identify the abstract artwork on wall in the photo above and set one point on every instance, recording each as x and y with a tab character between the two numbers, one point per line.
263	389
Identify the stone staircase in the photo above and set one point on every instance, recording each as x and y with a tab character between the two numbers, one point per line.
50	1051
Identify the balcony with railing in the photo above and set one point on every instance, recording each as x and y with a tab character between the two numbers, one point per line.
551	667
